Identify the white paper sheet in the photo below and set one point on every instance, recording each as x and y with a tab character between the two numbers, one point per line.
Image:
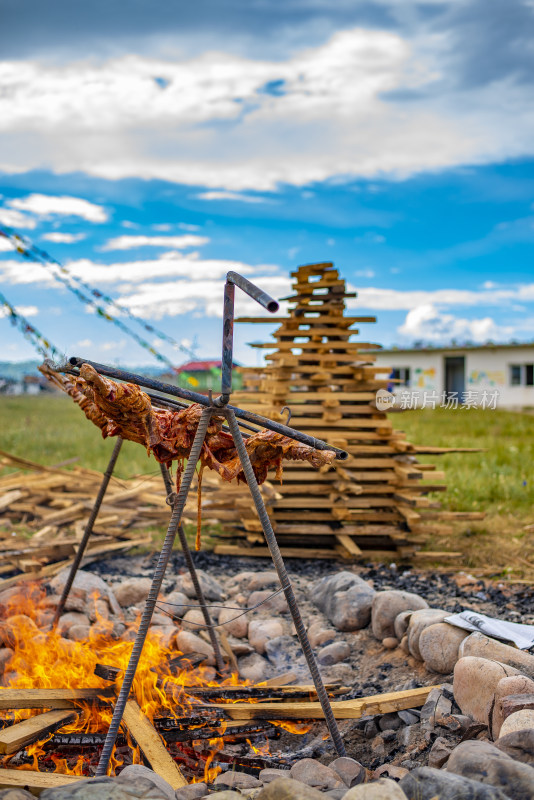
521	635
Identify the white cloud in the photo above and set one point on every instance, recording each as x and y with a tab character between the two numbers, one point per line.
365	273
236	196
118	345
170	265
24	272
131	242
427	323
202	297
84	343
14	219
5	245
25	311
396	299
127	275
44	205
339	112
63	238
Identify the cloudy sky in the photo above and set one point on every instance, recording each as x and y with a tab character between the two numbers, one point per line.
152	146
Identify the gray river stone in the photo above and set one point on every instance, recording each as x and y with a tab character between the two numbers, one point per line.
484	762
346	600
426	783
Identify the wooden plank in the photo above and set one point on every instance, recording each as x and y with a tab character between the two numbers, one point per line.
51	698
438	451
279	680
35	782
44	572
300	397
152	746
17	736
454	515
66	515
10	497
437	555
304	320
349	544
264	552
343	709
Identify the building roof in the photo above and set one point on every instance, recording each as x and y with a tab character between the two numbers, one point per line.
199	366
456	348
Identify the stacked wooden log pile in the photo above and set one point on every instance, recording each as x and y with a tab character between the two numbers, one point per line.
53	504
375	503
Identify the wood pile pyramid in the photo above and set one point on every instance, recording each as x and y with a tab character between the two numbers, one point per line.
372	505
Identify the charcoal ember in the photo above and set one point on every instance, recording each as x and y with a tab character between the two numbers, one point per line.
107	673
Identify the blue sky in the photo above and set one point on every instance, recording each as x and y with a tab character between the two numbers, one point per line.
150	147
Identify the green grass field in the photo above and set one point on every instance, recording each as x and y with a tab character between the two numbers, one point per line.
498	481
51	429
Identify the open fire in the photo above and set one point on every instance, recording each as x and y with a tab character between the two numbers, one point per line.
164	689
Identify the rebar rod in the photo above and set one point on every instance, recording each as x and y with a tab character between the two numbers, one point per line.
152	598
285	582
164	402
87	532
188	556
233	279
195	397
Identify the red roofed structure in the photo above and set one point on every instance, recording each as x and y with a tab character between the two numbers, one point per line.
201	376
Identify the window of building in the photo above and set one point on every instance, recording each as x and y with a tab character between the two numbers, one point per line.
401	374
522	374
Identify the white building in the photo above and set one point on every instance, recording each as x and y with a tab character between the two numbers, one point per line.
495	374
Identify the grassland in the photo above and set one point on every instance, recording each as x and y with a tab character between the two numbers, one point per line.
498	481
52	429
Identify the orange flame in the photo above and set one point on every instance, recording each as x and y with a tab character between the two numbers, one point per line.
47	660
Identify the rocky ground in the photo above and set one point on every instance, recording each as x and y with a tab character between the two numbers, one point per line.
373	629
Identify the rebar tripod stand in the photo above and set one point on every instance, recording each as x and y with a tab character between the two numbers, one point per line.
220	407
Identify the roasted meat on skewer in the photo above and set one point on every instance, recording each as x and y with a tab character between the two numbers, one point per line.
128	412
69	385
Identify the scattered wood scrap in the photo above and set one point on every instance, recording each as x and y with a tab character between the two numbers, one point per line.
152	746
53	504
52	698
17	736
35	782
343	709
